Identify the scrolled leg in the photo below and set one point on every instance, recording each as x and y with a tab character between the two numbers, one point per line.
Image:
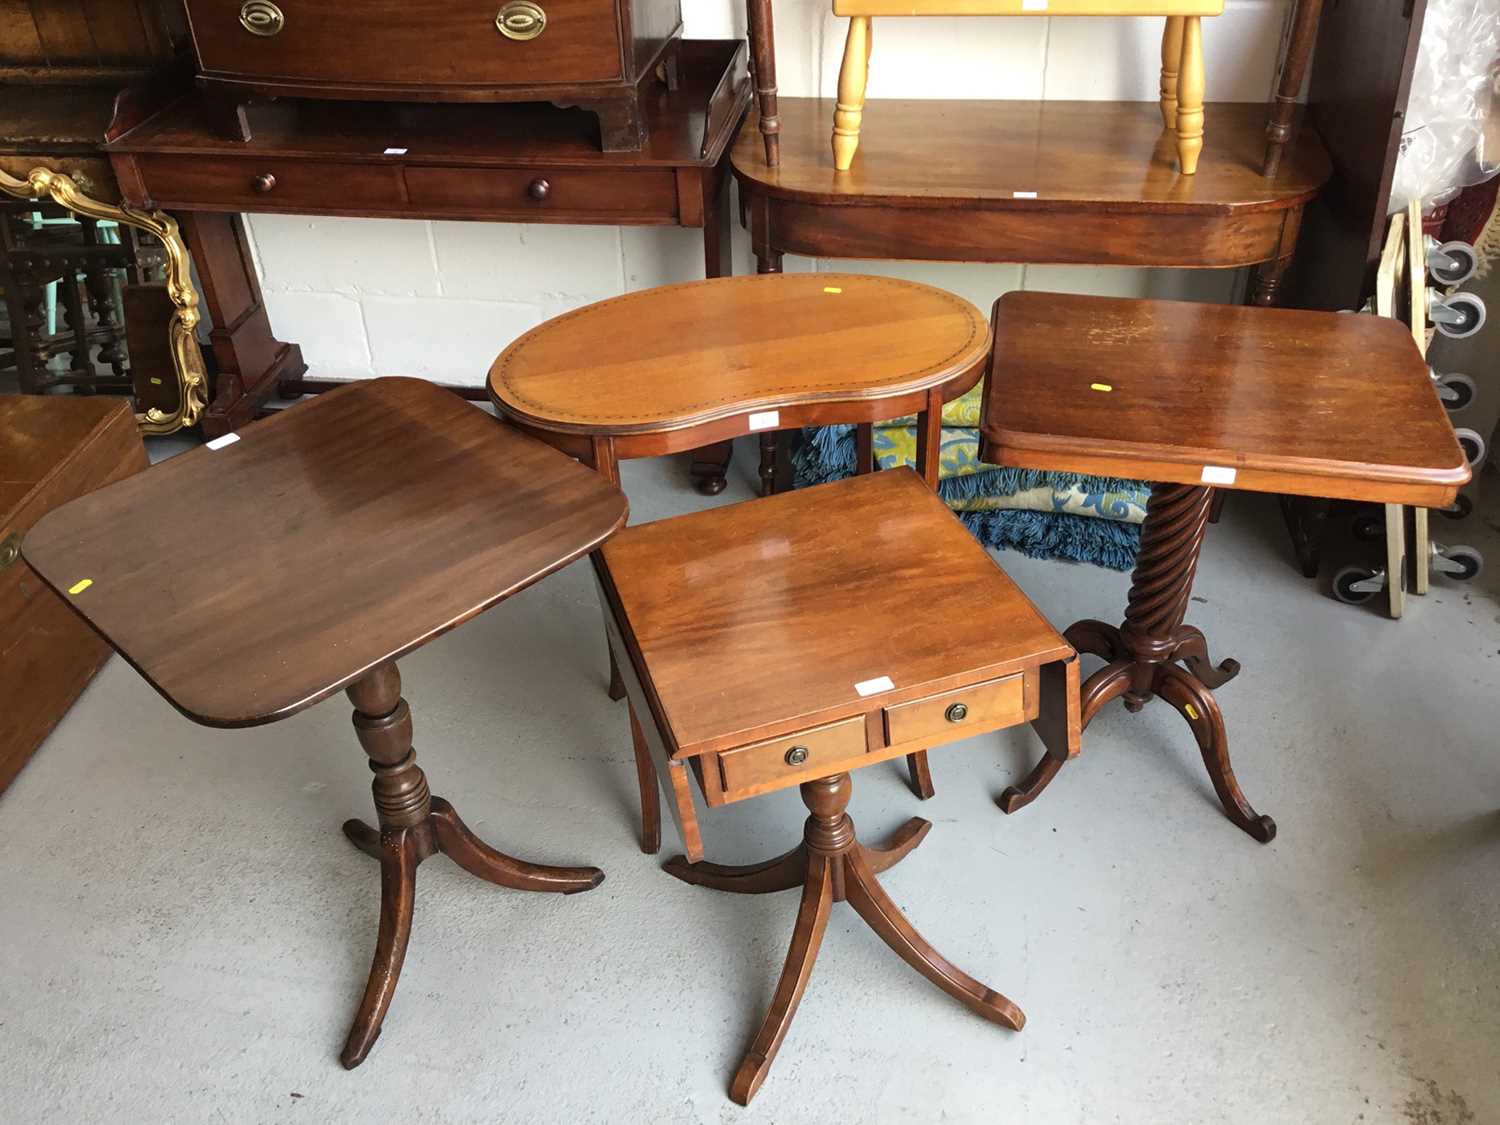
1198	706
484	862
1192	650
882	915
779	874
807	937
398	886
1097	639
900	845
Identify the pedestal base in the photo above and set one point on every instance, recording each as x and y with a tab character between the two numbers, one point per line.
1155	654
831	865
414	826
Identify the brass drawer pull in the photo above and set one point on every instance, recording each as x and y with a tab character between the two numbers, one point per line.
264	182
539	189
10	550
521	20
261	17
957	713
796	756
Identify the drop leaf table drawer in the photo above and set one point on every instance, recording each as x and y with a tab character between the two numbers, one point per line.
952	714
269	184
532	194
798	757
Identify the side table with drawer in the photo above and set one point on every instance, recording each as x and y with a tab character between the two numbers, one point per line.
791	640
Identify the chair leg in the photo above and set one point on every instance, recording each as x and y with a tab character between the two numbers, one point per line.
1190	90
850	109
1171	59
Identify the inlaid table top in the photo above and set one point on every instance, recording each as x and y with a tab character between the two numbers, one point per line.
1271	400
681	356
250	581
758	619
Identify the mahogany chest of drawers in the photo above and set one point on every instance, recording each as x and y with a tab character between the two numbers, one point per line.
53	448
602	55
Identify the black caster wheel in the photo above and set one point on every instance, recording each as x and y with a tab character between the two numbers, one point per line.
1355	585
1472	445
1451	263
1457	317
1460	509
1455	391
1369	528
1461	564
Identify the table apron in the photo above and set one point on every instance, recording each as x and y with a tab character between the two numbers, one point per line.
1031	235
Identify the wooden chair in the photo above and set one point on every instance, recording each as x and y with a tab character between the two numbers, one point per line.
1182	77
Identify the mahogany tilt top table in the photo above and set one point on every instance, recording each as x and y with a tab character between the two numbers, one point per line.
401	512
1198	397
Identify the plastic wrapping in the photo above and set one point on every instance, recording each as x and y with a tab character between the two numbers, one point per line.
1452	136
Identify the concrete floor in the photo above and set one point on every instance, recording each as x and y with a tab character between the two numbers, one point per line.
186	932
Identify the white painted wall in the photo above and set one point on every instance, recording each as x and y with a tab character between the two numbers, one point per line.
376	296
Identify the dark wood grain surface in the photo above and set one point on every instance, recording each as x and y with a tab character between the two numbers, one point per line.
831	587
1297	402
329	539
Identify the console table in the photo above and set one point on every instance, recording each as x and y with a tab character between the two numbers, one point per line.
516	163
1087	183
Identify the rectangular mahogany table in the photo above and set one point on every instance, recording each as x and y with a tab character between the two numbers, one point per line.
1198	397
308	556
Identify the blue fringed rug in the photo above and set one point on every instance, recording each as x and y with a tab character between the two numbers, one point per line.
1044	522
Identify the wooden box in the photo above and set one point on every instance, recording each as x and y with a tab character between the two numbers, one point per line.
52	448
597	54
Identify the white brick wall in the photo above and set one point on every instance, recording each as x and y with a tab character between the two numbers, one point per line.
384	296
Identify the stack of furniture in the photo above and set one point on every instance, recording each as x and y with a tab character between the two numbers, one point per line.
751	640
1056	182
363	125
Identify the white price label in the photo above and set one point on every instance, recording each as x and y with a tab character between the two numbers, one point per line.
1218	474
221	442
765	420
875	686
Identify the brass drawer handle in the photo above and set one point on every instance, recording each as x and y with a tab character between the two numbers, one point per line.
957	713
539	189
796	756
521	20
261	17
264	182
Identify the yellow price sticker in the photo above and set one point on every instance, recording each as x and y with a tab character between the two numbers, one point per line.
80	586
1192	712
1101	387
832	289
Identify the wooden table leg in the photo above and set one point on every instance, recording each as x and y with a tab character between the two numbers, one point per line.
1154	654
251	361
832	865
413	826
709	467
1289	89
763	61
